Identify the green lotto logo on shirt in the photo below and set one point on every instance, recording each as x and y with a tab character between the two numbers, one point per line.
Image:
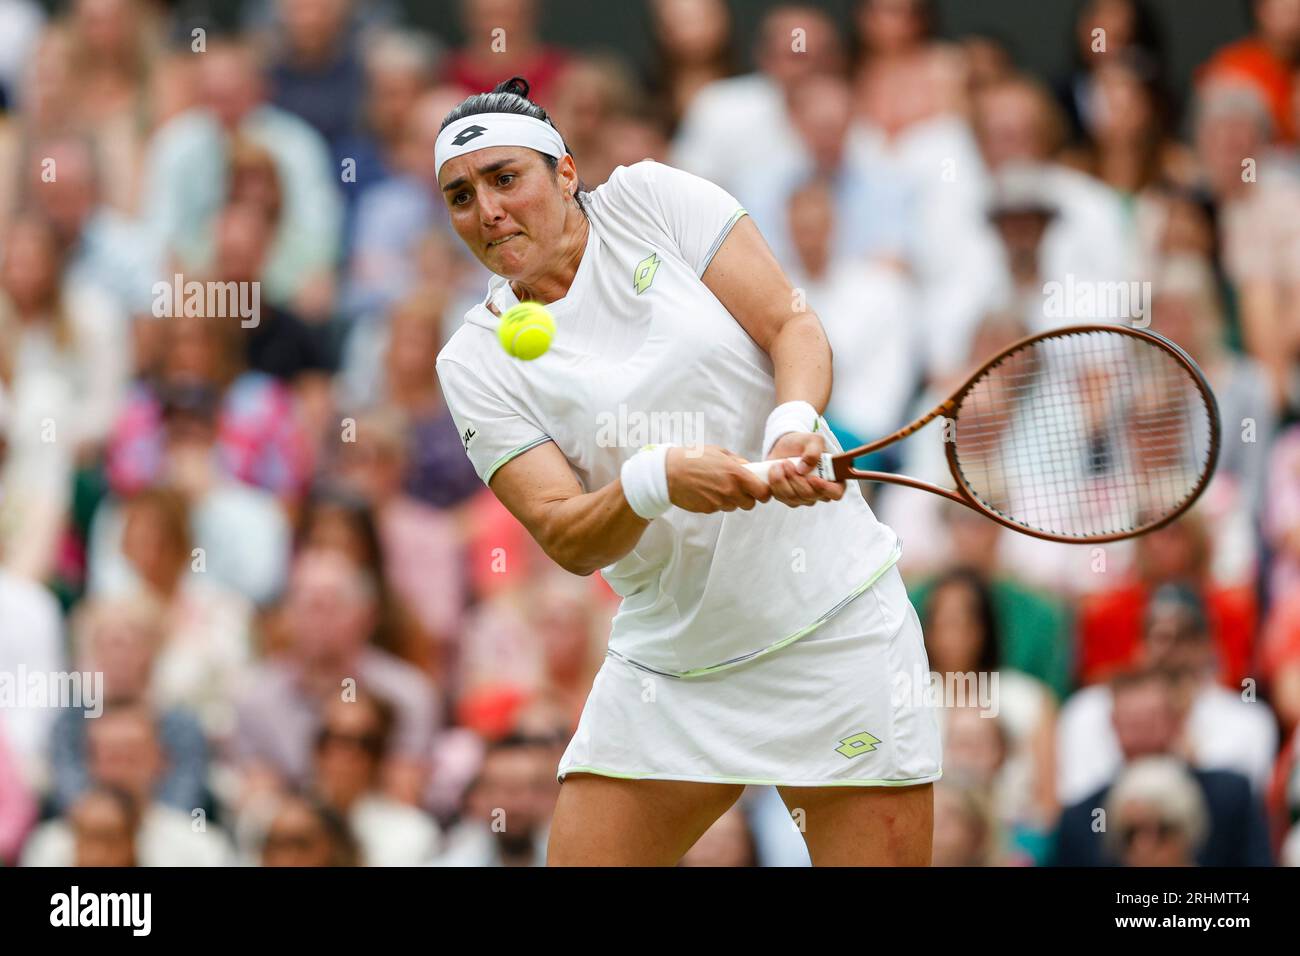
644	273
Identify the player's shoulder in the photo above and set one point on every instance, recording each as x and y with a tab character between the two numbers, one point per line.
644	185
469	346
627	182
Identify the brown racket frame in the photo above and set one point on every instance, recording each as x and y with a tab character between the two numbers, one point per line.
843	462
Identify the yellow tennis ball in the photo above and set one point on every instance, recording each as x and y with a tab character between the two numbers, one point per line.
526	330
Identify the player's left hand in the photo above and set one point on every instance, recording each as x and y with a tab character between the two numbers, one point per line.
794	487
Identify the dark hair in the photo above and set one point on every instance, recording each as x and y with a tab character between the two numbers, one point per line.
345	850
1146	31
511	96
513	742
990	652
394	629
385	720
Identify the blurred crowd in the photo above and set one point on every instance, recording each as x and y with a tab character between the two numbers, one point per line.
324	642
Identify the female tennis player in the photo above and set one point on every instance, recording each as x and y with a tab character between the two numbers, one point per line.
759	641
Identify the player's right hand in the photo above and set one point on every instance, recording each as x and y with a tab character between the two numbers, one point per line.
705	479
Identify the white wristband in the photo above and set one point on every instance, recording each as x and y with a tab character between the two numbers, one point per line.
788	417
645	481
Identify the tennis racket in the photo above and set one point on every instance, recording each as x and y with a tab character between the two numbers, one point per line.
1088	433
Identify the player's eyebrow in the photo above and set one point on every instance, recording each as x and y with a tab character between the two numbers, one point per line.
482	171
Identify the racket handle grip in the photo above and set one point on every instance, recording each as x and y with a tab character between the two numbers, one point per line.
825	468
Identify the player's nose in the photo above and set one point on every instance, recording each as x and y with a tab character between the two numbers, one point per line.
490	210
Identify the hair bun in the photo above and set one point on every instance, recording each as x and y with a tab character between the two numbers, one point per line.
516	85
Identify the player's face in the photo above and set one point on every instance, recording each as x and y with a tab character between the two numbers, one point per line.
508	207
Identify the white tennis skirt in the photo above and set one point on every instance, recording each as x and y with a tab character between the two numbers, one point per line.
835	708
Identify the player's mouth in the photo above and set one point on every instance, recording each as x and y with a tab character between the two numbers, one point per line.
504	239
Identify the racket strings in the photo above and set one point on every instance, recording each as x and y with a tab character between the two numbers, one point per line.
1084	435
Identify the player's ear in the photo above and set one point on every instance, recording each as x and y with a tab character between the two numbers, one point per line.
567	172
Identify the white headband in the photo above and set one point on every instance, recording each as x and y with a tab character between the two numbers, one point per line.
485	130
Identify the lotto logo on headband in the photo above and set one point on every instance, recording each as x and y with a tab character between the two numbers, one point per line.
470	132
468	135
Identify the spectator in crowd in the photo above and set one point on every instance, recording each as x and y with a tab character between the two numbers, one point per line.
590	93
241	531
866	307
280	344
331	613
962	639
306	832
1187	308
979	247
421	544
1222	730
1128	141
633	136
965	831
1104	31
1257	204
501	39
1147	727
755	107
903	77
113	47
63	364
1155	815
1018	126
1111	620
125	754
399	67
871	199
506	817
1033	625
120	639
207	643
89	75
350	751
316	72
1266	61
186	177
395	216
260	439
105	249
692	48
405	381
975	750
342	520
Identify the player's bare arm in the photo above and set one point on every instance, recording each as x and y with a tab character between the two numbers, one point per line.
748	280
